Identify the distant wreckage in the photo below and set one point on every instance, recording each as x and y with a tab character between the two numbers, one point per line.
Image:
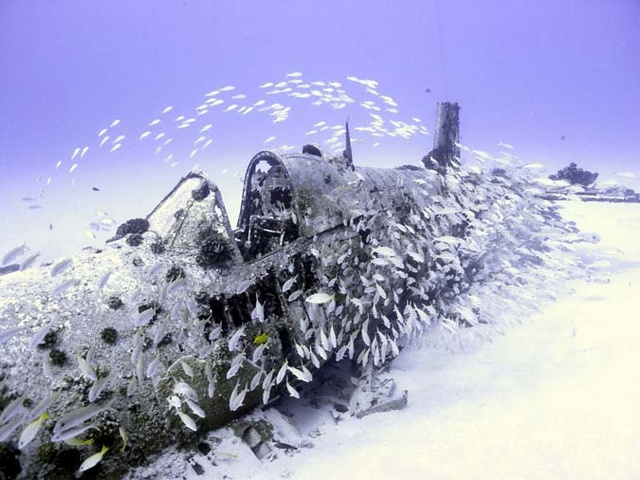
181	323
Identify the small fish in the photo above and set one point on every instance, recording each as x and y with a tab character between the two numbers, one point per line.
324	340
102	132
261	339
39	336
282	372
11	409
235	338
195	408
303	375
188	421
98	386
143	135
9	333
131	386
187	368
71	433
385	251
235	366
80	415
47	370
140	370
75	152
78	442
267	382
255	381
154	122
123	436
236	399
115	147
14	253
294	296
175	401
7	429
60	267
184	389
84	151
292	391
114	123
319	298
93	460
104	279
244	286
259	310
145	317
87	370
167	109
31	430
73	167
211	387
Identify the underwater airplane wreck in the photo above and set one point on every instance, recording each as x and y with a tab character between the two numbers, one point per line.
182	323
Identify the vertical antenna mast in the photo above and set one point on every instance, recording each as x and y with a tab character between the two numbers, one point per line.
348	153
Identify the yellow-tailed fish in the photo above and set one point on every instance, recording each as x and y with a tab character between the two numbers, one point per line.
123	436
260	339
77	442
93	460
31	430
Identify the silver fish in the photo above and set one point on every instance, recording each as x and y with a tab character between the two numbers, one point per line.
72	432
39	336
60	267
60	289
188	421
9	333
98	386
87	370
195	408
184	389
236	399
14	253
11	409
80	415
7	429
29	261
103	280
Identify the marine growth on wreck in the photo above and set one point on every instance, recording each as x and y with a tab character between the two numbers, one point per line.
182	323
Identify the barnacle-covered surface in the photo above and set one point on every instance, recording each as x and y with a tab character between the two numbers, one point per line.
204	323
